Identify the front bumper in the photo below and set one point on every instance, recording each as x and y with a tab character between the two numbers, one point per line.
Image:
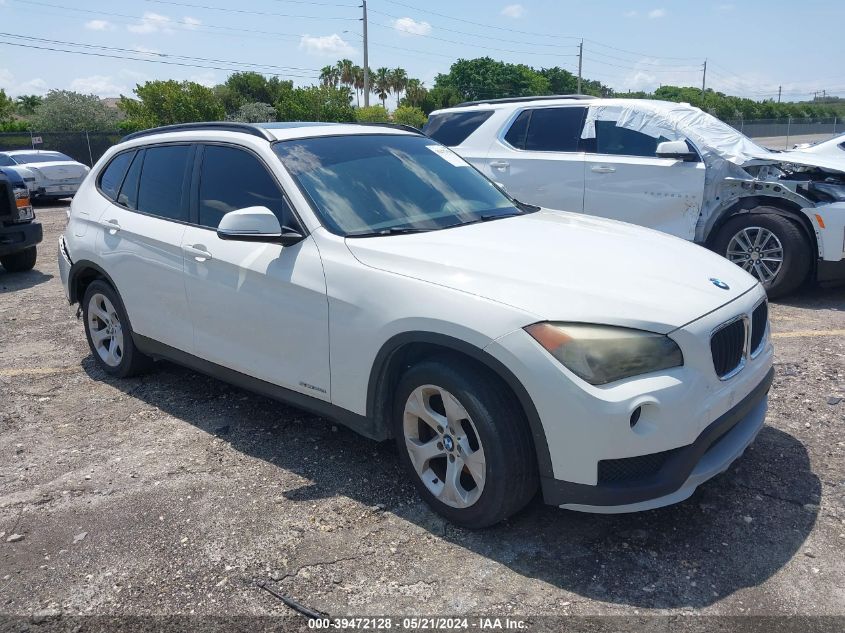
718	446
17	237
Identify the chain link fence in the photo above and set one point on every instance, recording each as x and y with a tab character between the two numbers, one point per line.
783	133
84	147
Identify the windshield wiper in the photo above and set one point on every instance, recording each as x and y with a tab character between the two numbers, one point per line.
395	230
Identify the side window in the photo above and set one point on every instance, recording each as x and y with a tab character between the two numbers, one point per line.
516	133
112	176
619	141
5	161
162	190
232	178
453	128
555	129
128	195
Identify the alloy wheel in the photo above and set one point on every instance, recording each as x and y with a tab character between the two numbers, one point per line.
444	446
758	251
105	330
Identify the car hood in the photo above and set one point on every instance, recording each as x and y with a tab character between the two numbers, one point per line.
798	157
566	267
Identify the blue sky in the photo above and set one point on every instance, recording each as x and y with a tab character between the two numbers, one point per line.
751	46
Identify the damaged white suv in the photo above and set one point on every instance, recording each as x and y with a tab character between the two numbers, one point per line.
667	166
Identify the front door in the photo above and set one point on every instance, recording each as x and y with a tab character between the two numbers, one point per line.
257	308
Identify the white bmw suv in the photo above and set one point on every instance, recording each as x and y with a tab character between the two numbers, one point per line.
369	274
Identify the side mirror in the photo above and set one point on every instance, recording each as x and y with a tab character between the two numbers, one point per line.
677	150
256	224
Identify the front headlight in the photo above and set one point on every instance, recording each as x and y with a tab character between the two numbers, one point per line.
602	353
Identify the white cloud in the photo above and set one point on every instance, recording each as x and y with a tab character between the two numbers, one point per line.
98	25
631	14
206	78
409	26
190	23
513	11
143	50
100	85
655	14
14	88
152	23
329	45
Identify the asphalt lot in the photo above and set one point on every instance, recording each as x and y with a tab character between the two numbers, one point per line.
175	493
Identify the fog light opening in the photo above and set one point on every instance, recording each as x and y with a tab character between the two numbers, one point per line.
635	416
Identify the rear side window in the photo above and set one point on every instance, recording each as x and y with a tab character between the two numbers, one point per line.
555	129
128	195
113	174
619	141
5	161
518	129
161	190
453	128
231	179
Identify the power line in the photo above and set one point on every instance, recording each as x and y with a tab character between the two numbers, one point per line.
247	11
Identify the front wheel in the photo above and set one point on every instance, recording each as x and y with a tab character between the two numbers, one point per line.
769	246
464	441
21	261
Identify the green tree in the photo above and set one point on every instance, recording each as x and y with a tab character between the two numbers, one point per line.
316	103
358	82
26	104
408	115
249	87
415	93
254	113
329	76
398	82
168	102
7	108
67	111
561	82
372	114
382	84
485	78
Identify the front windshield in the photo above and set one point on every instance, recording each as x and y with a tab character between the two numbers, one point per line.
38	157
371	184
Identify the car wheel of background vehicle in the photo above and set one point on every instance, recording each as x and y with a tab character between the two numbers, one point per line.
21	261
109	333
771	247
465	442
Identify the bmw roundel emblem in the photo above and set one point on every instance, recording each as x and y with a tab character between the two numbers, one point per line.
719	283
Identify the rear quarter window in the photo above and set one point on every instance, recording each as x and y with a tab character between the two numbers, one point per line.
113	174
453	128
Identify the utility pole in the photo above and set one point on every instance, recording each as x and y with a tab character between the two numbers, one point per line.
580	60
366	59
779	91
704	78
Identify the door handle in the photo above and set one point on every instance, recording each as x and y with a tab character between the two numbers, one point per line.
198	252
499	164
112	226
603	169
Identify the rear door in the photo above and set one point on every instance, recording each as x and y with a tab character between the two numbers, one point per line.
538	157
140	244
625	180
257	308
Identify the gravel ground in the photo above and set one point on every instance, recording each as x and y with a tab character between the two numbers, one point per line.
174	494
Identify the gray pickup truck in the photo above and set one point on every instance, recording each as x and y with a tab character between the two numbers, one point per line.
19	232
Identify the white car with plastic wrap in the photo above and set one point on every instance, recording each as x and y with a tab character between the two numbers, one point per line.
48	175
667	166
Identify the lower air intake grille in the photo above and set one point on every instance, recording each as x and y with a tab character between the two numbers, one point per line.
632	468
727	346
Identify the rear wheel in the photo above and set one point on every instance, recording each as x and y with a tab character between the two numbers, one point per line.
769	246
465	442
109	332
21	261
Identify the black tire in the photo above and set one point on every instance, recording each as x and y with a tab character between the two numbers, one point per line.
132	361
797	250
21	261
511	478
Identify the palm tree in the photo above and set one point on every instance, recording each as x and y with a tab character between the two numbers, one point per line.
27	103
398	82
358	82
345	72
329	76
415	92
383	84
